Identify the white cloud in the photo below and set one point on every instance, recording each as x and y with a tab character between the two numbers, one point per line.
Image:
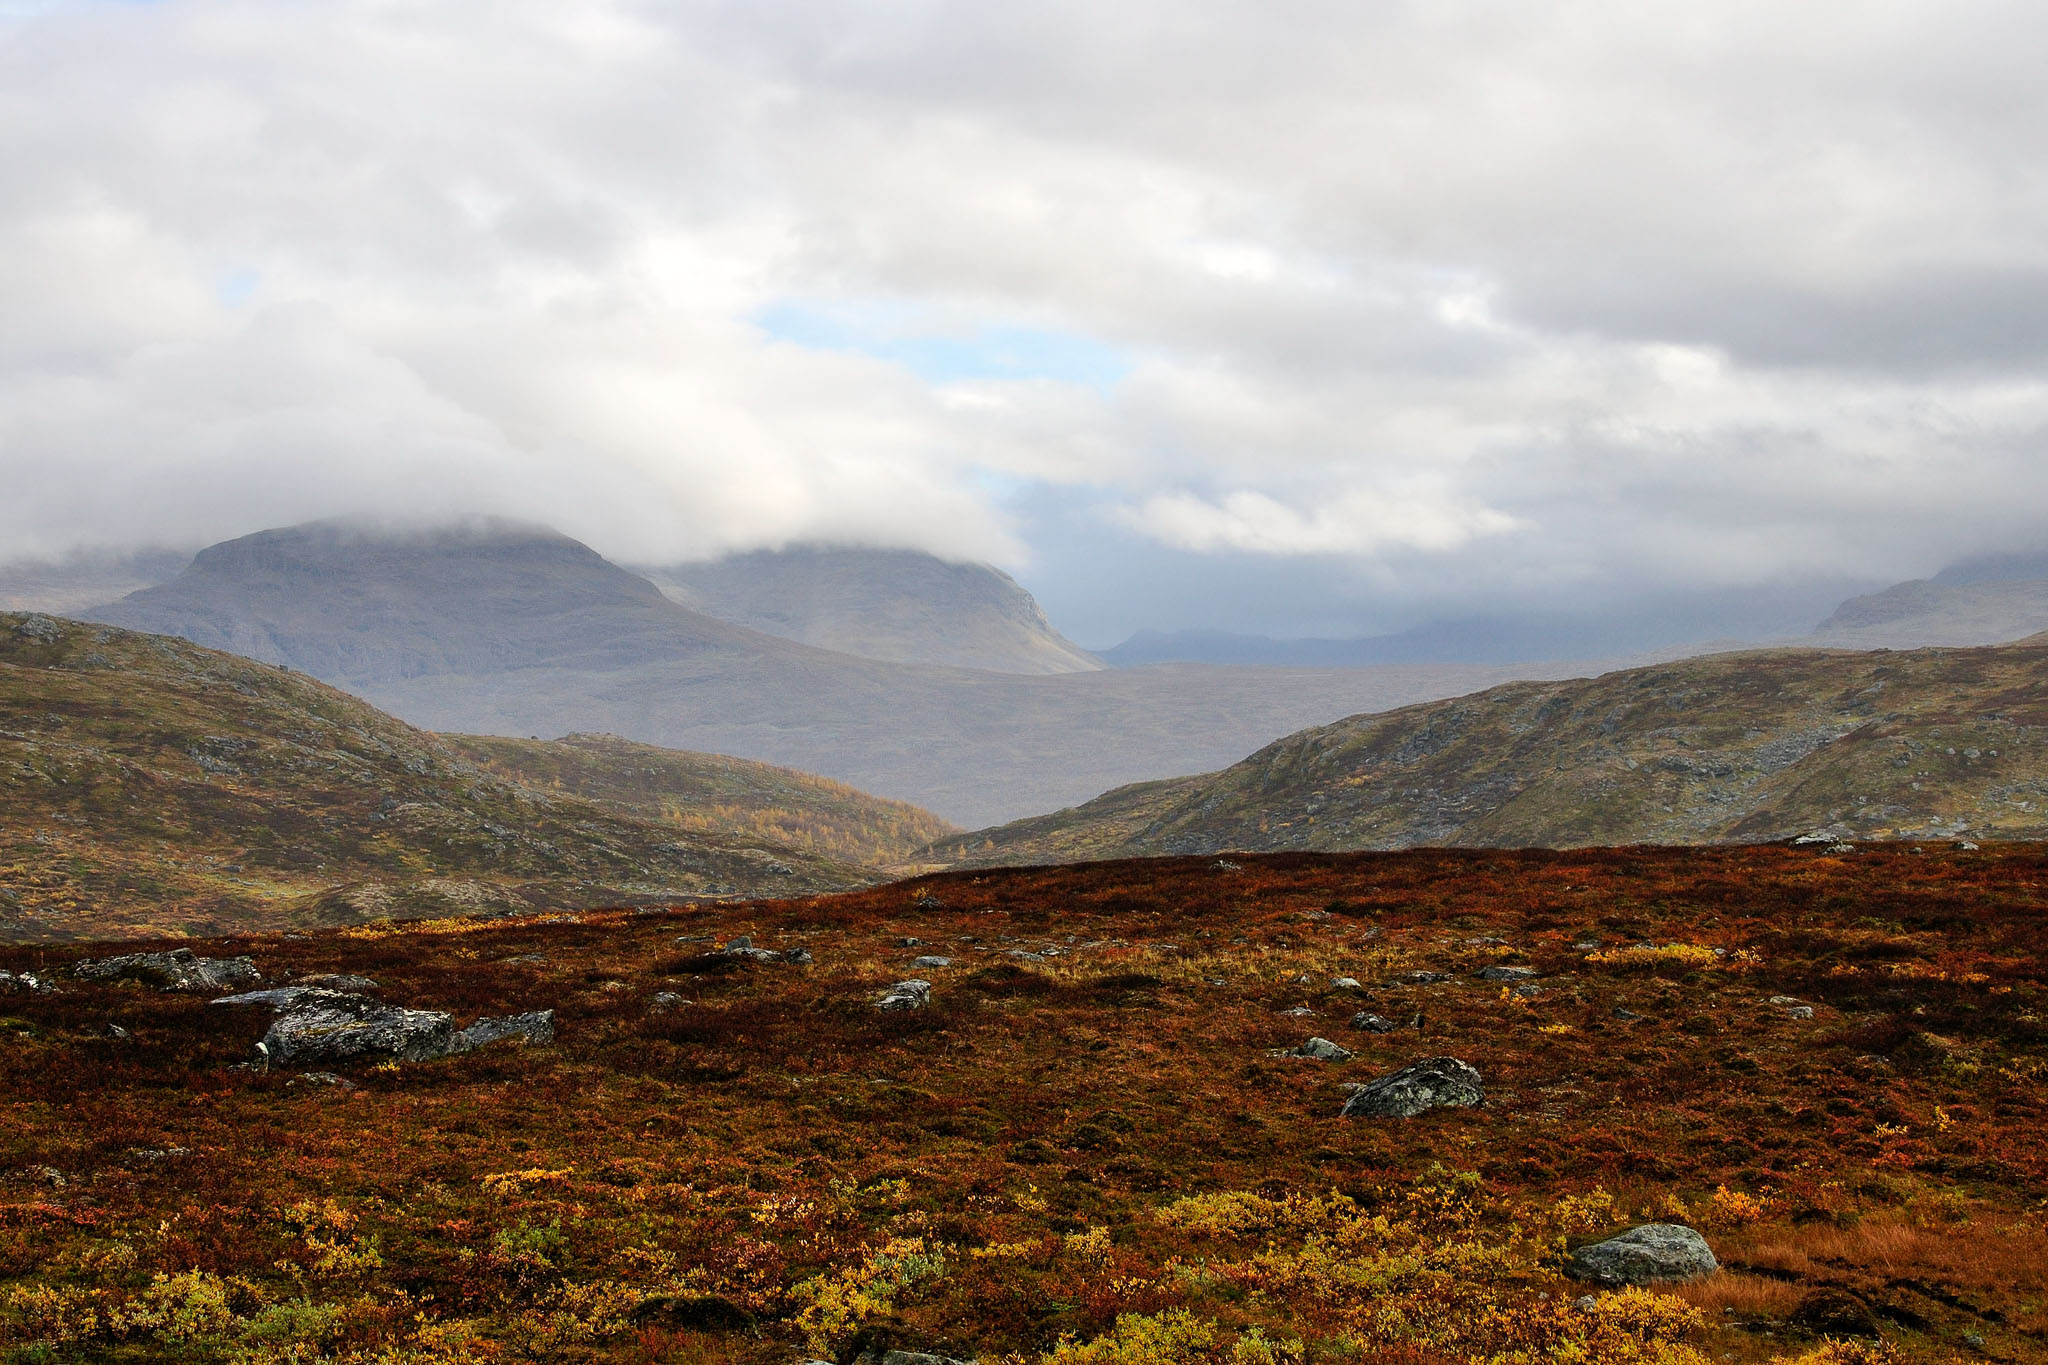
1643	293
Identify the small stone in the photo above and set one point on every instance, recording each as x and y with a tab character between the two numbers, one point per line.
1799	1012
1585	1303
1505	973
1419	979
1298	1012
321	1078
1626	1015
666	1000
341	981
1345	983
932	960
1655	1253
1485	942
1967	847
1433	1083
1372	1023
1784	1000
1526	991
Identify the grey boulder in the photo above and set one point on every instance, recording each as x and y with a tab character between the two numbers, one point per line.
536	1028
1372	1023
180	969
906	995
25	983
1318	1050
1655	1253
1433	1083
1506	973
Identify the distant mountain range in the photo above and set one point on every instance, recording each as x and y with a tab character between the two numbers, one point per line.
1927	744
151	786
898	605
509	630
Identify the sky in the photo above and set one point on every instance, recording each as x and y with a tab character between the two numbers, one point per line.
1299	316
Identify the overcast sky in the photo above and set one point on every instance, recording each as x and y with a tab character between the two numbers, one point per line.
1281	314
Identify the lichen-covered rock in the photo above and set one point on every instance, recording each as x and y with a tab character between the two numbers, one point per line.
328	1026
25	983
535	1028
743	947
1655	1253
1433	1083
180	969
1372	1023
1506	973
906	995
1318	1050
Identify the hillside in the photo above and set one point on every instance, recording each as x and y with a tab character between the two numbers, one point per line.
147	785
899	605
506	630
713	794
1098	1141
1732	747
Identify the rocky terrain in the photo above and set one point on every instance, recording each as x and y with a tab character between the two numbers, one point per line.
507	630
899	605
1671	1106
148	785
1730	747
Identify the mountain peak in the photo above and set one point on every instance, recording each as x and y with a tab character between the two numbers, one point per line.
901	606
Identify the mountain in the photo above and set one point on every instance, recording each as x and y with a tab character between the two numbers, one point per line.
1735	747
1958	611
85	580
148	785
898	605
506	630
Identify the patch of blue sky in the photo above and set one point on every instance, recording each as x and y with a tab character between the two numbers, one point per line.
236	287
947	355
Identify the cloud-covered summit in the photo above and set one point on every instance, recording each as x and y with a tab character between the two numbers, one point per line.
1563	297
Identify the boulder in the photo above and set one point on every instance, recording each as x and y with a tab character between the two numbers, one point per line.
318	1025
1318	1050
25	983
933	960
341	981
906	995
180	969
329	1026
535	1028
1506	974
1419	979
1372	1023
1655	1253
1433	1083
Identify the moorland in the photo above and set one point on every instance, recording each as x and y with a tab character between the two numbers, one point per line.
1090	1146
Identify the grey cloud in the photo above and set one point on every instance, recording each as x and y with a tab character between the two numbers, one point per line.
1451	302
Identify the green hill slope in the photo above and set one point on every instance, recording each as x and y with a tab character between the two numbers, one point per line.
1733	747
147	784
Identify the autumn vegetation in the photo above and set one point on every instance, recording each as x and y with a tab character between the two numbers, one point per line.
151	786
1084	1151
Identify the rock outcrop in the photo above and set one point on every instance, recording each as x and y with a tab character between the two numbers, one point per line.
1433	1083
180	969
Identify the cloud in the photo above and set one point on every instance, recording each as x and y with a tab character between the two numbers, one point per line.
1555	297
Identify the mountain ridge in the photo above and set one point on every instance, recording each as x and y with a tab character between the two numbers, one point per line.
1749	747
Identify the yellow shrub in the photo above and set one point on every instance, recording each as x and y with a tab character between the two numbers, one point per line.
838	1301
1651	955
55	1314
1173	1337
185	1306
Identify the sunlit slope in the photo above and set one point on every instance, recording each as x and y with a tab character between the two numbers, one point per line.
1727	747
146	783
